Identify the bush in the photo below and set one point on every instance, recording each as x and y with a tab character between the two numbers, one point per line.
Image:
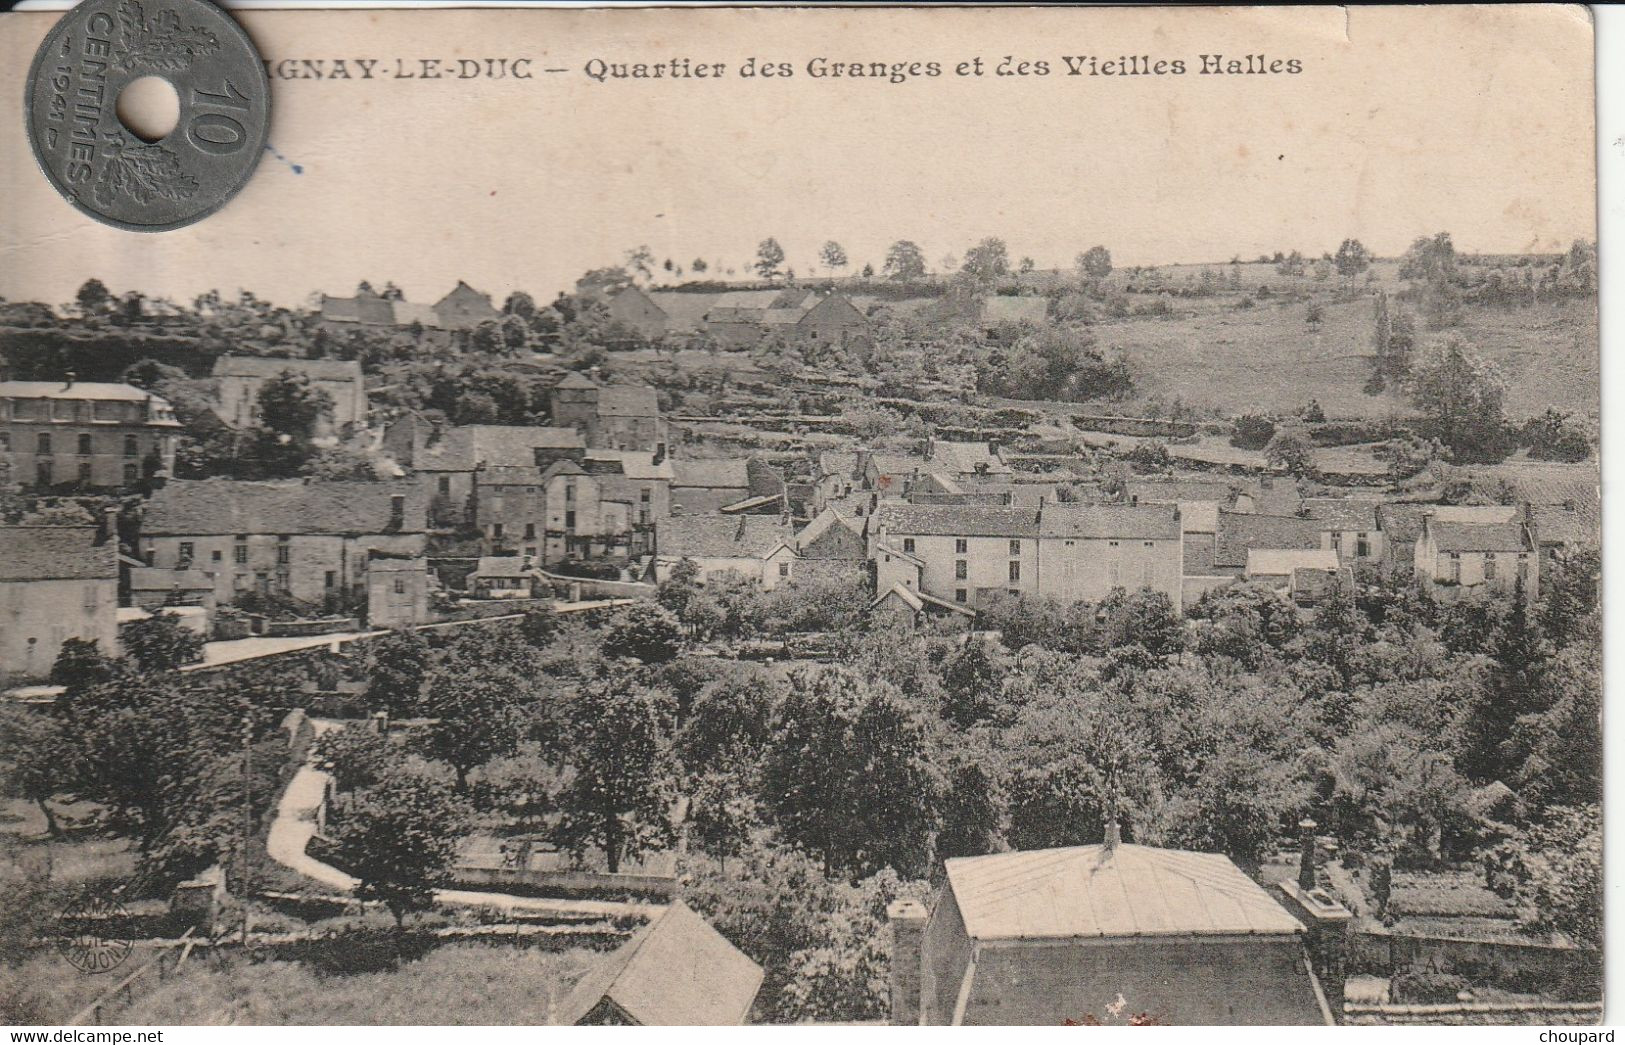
1420	985
1252	432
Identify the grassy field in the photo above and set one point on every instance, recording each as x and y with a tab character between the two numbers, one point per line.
463	984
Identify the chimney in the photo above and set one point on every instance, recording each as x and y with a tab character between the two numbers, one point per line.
659	454
1306	858
1114	835
907	921
71	378
109	527
397	510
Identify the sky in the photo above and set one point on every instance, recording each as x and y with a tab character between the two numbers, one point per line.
1403	122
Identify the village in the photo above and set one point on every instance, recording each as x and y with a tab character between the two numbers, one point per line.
706	646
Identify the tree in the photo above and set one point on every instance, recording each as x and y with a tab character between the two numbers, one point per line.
850	778
80	664
93	297
290	405
1315	315
475	707
356	756
400	838
1352	258
832	256
1553	871
35	758
1460	395
986	262
640	261
648	632
1095	263
698	265
868	270
1569	588
769	256
1292	452
520	304
161	643
602	282
620	796
904	261
971	681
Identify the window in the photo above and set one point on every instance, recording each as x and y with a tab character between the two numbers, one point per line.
239	582
1016	592
530	551
330	580
42	443
961	546
959	594
496	531
444	485
1455	568
570	520
42	473
643	495
85	446
400	585
1150	544
1111	544
570	492
961	570
1362	545
1489	566
215	556
908	545
5	442
530	531
283	551
1523	568
1015	571
239	551
1337	538
132	474
186	551
784	569
131	447
1015	547
84	472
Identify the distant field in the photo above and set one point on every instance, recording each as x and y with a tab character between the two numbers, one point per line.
1268	360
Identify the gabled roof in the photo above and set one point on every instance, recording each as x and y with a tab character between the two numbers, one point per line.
464	291
676	972
896	464
406	313
957	520
901	592
683	311
464	448
558	468
575	379
266	367
56	553
1240	532
1126	891
1470	537
973	458
102	390
721	536
196	507
725	474
1556	524
1341	513
1159	522
634	464
628	401
1403	521
1179	490
826	519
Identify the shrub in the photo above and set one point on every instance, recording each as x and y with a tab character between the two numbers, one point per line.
1420	985
1252	432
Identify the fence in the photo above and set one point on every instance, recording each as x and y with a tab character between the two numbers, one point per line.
566	883
1373	948
124	991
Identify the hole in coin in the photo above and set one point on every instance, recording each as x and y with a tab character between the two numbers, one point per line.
149	108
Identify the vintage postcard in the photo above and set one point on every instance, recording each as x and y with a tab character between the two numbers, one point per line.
890	516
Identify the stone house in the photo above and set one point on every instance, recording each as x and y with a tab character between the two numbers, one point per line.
1348	526
305	541
1454	557
240	379
397	591
635	310
704	487
1241	533
446	459
759	548
91	434
1401	525
56	583
464	308
832	536
503	577
1100	934
610	417
833	320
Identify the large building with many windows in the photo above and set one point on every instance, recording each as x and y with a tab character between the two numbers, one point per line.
84	434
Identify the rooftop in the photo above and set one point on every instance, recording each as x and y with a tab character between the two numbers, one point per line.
727	473
195	507
464	448
1473	537
958	520
1094	521
1240	532
1341	513
627	401
1403	521
104	390
721	536
56	553
676	972
1126	891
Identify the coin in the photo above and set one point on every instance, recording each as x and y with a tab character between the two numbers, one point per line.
100	165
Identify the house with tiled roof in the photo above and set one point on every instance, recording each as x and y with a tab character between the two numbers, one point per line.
464	308
1240	533
970	553
1100	934
965	460
634	309
239	380
56	583
702	486
760	548
91	434
1348	526
1401	524
611	417
832	535
1456	557
677	971
304	541
892	474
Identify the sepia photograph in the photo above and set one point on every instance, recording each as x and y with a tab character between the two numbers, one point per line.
830	517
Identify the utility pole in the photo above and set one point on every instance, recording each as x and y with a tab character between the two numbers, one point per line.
248	821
